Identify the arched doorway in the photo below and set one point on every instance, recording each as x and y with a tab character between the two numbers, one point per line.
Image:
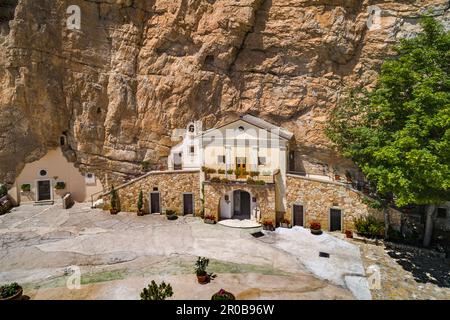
241	205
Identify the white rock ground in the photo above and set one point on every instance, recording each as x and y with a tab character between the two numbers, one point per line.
119	255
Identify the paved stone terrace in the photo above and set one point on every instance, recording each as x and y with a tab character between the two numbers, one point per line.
119	255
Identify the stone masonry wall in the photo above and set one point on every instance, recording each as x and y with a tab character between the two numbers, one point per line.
171	185
318	197
265	196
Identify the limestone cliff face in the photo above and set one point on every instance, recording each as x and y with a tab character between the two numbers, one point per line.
139	68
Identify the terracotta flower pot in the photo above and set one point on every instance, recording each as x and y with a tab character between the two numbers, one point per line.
202	279
140	213
113	211
316	232
17	296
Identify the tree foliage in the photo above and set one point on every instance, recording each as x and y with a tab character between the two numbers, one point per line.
399	133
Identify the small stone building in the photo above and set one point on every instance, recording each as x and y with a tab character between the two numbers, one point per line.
334	205
178	191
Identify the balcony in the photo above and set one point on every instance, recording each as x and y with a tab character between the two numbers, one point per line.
231	176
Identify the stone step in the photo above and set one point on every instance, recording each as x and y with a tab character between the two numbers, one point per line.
44	203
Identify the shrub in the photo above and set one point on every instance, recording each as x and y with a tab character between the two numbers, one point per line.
369	227
60	185
145	166
254	173
170	212
114	199
223	295
25	187
155	292
225	180
211	171
140	202
201	265
268	223
215	180
250	181
315	225
3	190
9	290
221	171
172	217
231	171
260	182
204	169
237	172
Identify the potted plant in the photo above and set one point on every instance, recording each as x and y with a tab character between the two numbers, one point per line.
140	204
60	188
215	180
200	270
285	223
60	185
12	291
230	171
114	201
268	225
254	174
221	171
25	187
349	234
171	215
145	166
223	295
3	190
316	228
210	219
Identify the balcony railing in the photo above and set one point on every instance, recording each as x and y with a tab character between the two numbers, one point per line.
225	177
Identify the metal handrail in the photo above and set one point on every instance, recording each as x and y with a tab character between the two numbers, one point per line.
94	194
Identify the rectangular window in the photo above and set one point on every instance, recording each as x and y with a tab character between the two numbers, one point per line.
89	178
221	159
442	213
261	161
192	150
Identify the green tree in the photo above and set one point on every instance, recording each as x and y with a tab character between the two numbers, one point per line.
140	202
3	190
399	133
114	199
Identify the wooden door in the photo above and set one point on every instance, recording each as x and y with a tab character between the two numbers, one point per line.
298	215
44	190
245	205
155	203
241	167
188	203
335	220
